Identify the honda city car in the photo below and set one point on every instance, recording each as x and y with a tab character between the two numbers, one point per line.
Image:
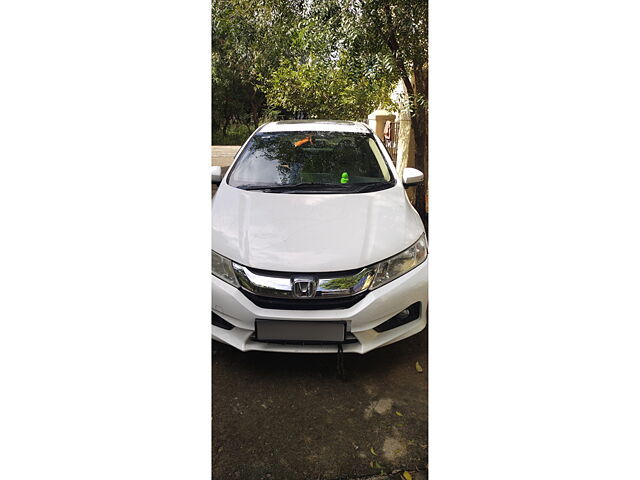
315	245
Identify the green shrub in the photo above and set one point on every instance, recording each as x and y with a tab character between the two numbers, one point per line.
237	134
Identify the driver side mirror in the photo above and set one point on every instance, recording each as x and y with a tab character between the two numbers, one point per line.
216	175
411	177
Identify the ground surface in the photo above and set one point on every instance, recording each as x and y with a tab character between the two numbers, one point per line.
284	416
222	155
289	417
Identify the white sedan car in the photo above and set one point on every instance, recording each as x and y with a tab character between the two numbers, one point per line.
315	246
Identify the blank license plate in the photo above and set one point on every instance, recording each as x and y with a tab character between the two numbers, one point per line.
294	330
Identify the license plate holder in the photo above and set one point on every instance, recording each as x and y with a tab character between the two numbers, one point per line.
300	331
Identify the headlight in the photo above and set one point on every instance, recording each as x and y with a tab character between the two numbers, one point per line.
400	264
222	268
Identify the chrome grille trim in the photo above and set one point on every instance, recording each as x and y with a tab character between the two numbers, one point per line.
279	285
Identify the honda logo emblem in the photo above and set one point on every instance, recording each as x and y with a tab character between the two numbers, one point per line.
304	286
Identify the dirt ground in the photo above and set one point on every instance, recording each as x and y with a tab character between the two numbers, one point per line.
283	416
290	417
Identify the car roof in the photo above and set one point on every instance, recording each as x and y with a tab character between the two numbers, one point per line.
315	126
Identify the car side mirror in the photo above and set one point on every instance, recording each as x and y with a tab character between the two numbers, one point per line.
216	175
411	177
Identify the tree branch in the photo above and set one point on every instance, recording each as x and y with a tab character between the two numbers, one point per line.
392	43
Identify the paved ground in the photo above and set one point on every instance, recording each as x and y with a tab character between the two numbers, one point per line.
289	417
222	155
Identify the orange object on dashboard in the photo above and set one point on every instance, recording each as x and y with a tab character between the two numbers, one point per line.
304	140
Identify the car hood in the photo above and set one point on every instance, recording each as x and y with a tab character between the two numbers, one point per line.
312	233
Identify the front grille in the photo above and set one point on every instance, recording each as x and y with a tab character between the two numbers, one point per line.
284	286
304	304
349	338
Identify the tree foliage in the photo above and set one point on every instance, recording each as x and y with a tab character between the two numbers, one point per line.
248	39
324	77
323	58
291	56
398	30
325	90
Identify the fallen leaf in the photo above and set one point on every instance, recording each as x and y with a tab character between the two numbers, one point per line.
406	475
373	452
375	464
399	414
419	367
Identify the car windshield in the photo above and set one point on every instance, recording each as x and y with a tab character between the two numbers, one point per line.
327	162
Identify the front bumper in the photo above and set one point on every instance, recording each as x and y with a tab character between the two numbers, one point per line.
376	308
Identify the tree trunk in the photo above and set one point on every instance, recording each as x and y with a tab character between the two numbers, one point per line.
225	119
254	108
420	124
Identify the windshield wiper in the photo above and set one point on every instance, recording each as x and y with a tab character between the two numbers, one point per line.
292	186
320	187
254	187
369	187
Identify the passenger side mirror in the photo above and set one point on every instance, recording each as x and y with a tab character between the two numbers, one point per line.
216	175
411	177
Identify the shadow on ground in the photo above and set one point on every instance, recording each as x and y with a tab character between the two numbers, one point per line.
289	416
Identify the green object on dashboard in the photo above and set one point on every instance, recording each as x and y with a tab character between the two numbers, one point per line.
345	178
